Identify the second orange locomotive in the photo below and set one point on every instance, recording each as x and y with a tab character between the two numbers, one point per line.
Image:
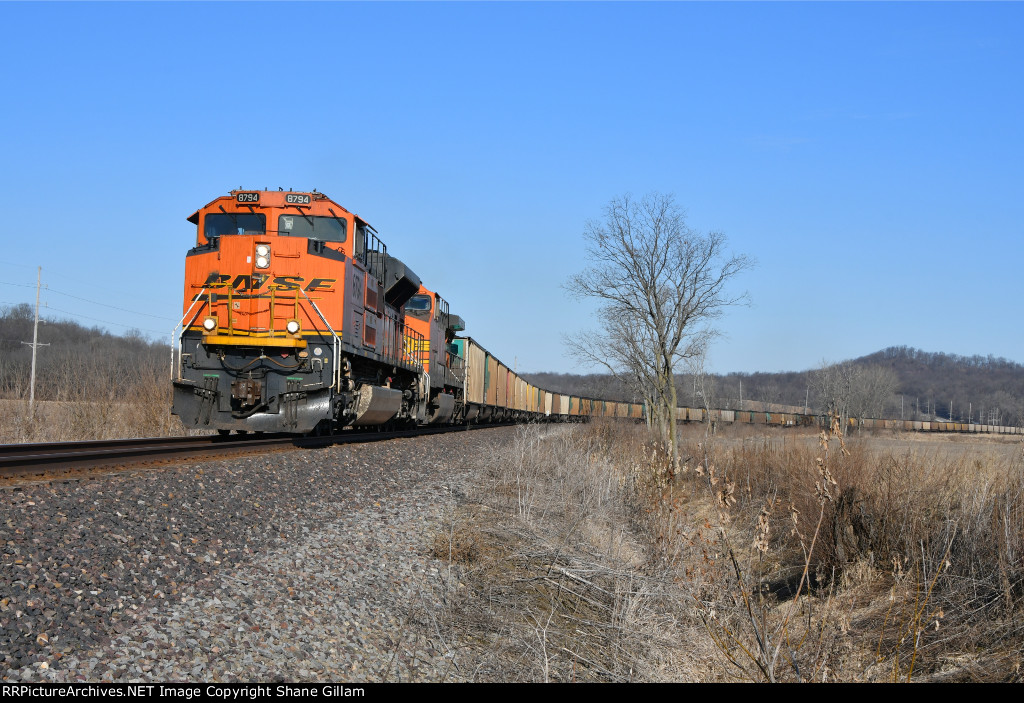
294	321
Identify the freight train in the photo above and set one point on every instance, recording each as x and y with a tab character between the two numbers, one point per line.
853	424
297	319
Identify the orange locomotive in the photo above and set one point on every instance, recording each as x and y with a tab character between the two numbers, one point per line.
428	317
294	322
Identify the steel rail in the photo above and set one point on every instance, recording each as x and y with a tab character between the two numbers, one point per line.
61	458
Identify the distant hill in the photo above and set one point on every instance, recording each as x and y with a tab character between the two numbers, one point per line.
78	363
979	385
981	388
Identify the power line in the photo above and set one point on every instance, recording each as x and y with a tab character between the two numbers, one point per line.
92	284
106	322
8	262
93	302
113	307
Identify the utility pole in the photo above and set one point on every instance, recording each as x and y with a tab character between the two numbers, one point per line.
35	345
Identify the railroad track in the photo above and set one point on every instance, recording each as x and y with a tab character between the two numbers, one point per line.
55	459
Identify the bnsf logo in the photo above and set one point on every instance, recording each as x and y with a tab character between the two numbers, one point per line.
256	281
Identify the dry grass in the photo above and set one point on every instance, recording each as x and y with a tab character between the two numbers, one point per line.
914	558
95	402
554	587
589	556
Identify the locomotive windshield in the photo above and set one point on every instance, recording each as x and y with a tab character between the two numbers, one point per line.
418	306
221	223
326	229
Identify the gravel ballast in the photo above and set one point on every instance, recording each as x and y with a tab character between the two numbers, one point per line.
309	565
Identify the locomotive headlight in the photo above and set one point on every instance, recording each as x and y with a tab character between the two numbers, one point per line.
210	324
262	256
292	326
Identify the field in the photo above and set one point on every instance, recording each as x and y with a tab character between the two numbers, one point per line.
69	421
763	556
582	553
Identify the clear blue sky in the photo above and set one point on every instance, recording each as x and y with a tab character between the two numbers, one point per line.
869	156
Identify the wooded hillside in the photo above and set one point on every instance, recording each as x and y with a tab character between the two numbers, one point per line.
983	389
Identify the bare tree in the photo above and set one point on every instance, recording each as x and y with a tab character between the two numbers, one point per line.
872	390
660	284
832	384
852	390
705	388
769	393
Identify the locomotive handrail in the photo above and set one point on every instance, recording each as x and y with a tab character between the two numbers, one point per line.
457	366
336	371
182	335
